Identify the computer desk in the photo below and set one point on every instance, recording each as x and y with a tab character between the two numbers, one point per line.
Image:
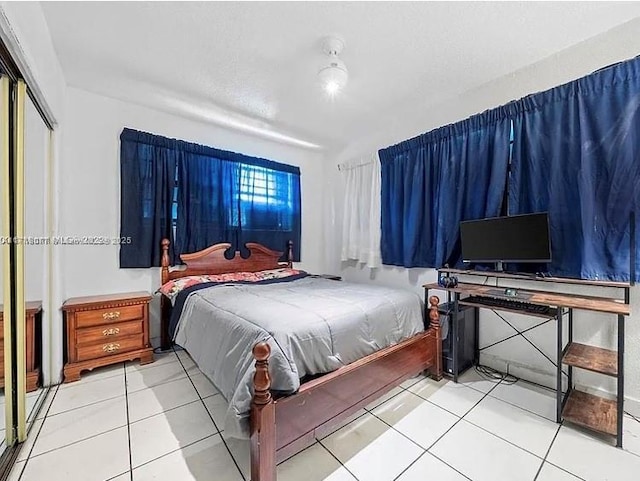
585	409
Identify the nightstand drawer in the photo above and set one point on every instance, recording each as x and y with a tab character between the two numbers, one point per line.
105	316
110	347
109	332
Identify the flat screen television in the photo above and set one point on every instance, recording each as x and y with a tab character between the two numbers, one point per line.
518	238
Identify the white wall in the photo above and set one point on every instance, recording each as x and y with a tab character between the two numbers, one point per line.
516	355
90	189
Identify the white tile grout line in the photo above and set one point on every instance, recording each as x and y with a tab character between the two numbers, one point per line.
126	402
87	404
332	455
444	434
118	475
632	416
547	462
339	427
180	448
547	419
102	432
219	432
26	460
114	428
525	409
402	389
77	441
447	464
547	453
155	384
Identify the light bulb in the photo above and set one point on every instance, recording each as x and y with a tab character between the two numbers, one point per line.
332	87
333	76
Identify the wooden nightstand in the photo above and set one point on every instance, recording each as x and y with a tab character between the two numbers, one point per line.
33	321
102	330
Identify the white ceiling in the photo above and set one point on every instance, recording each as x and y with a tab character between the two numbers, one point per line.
253	65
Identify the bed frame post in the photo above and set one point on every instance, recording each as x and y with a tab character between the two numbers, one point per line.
290	253
165	260
165	305
434	322
263	419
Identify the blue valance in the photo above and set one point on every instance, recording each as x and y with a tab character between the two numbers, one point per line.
136	136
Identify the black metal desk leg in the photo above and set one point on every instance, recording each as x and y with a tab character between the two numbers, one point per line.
620	416
476	340
453	331
570	335
559	366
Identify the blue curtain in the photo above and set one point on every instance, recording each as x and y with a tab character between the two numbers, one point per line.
147	172
433	182
204	202
208	195
576	154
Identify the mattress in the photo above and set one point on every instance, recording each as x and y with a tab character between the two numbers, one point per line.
313	326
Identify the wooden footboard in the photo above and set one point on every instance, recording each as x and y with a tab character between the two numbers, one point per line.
330	399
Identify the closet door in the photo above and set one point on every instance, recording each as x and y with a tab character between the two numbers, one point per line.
37	253
6	432
25	258
17	261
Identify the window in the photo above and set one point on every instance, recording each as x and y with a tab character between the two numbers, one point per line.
199	196
265	199
259	189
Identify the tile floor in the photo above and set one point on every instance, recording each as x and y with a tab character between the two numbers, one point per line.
163	421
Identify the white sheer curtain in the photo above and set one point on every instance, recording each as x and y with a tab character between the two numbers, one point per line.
361	221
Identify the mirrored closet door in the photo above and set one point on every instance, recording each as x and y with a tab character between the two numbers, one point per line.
5	307
36	255
25	219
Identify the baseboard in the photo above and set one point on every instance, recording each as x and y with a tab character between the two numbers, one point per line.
632	406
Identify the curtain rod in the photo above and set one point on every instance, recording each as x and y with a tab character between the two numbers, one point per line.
342	167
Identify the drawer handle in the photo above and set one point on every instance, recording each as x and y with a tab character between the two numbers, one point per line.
112	331
112	346
107	316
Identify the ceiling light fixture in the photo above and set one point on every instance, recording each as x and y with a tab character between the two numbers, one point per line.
333	74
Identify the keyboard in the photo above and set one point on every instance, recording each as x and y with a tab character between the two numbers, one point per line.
511	304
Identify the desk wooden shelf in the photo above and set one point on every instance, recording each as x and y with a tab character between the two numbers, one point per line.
594	412
542	298
591	358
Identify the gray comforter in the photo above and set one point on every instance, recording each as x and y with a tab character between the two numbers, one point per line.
313	326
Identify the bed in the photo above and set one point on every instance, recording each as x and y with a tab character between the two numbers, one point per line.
293	356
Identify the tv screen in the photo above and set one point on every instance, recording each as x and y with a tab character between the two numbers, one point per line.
518	238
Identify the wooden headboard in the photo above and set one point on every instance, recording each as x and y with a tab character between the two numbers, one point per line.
213	261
